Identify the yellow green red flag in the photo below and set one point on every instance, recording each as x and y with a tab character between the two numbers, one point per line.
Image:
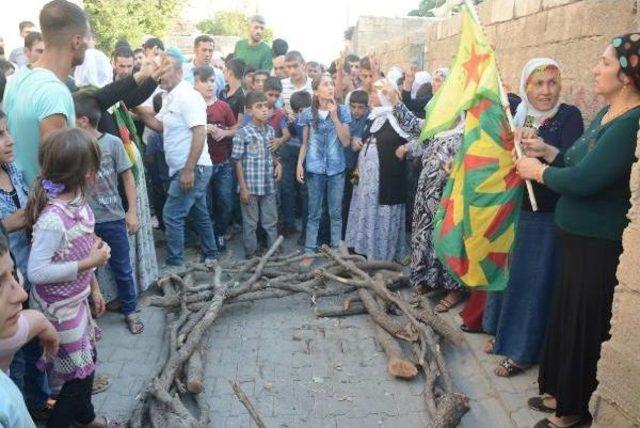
476	223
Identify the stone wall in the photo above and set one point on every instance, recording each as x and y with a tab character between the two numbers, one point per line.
371	33
574	32
617	400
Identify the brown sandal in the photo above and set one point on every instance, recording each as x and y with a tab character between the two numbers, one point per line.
100	384
446	303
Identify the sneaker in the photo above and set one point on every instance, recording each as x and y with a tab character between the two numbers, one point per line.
169	269
210	263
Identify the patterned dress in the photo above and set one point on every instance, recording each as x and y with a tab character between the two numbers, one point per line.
65	304
374	230
426	269
144	262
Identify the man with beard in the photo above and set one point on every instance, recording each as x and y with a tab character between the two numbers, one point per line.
37	100
253	51
202	55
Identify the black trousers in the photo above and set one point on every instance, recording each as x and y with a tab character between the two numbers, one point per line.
579	321
73	404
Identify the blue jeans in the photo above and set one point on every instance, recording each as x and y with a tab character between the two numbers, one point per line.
28	378
287	185
221	197
175	212
319	187
114	233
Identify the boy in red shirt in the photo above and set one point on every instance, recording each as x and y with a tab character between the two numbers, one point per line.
220	132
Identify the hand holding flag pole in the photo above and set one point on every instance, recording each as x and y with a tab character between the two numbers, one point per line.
505	105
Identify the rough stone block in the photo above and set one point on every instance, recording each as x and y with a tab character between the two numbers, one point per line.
502	10
608	414
484	12
546	4
560	25
527	7
599	18
629	268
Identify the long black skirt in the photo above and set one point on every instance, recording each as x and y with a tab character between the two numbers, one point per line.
579	322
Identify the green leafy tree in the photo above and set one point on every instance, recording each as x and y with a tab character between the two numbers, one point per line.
130	20
229	23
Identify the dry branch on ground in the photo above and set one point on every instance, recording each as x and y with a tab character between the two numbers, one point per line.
367	287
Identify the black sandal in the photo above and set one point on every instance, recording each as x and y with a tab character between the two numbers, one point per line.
537	404
510	366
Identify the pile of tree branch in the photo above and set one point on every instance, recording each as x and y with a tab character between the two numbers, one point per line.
367	287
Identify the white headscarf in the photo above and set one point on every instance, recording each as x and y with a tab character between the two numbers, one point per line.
422	77
383	113
525	108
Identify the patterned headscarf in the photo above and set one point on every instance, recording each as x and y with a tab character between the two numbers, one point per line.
628	51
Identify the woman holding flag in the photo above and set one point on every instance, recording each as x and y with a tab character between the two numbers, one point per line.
517	316
592	178
427	273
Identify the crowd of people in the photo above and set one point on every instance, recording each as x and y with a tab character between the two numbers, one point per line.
97	151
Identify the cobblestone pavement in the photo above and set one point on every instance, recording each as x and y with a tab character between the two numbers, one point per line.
302	371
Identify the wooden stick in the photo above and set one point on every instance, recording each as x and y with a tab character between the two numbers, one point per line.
339	311
195	372
247	404
397	364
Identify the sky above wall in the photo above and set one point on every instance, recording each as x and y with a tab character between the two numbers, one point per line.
316	28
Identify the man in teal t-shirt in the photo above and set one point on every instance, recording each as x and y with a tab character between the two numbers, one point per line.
37	100
253	51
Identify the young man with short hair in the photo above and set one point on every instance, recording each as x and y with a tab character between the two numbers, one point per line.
123	63
153	47
33	47
233	74
253	50
138	58
256	168
202	55
297	80
17	56
37	99
221	127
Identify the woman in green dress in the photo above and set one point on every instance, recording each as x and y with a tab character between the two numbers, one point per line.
592	178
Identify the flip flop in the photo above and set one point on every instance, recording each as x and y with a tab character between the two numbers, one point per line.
100	384
537	404
134	323
511	368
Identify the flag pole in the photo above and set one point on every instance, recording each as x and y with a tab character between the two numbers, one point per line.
505	106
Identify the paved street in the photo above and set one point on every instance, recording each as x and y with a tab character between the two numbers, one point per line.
303	371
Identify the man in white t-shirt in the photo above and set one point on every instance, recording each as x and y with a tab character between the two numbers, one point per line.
298	79
182	121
